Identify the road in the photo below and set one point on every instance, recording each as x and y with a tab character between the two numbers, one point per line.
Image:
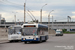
66	42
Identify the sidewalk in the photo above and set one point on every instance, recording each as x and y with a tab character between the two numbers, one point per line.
3	40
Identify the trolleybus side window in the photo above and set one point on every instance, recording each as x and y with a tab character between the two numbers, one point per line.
42	30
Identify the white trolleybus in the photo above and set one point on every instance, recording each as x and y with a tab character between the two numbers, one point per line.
34	32
14	33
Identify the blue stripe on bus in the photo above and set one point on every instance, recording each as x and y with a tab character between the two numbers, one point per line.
37	39
42	26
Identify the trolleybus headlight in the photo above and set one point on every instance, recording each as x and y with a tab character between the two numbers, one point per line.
34	38
23	38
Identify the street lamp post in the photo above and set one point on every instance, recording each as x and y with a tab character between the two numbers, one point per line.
41	13
0	18
49	20
14	16
25	11
52	22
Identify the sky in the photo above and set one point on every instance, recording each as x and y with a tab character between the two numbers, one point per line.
62	9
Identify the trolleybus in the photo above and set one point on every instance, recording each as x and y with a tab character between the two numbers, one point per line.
34	32
14	33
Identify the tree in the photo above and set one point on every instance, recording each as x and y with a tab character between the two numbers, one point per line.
64	30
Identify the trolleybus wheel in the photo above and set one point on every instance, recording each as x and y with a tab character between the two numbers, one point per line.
10	41
45	39
25	42
62	35
40	40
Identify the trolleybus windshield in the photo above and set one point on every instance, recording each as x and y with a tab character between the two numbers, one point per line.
58	31
10	31
17	29
29	31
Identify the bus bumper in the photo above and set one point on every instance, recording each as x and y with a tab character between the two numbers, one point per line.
24	39
59	35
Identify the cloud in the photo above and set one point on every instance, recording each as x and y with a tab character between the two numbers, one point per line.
73	1
62	9
73	12
73	18
7	16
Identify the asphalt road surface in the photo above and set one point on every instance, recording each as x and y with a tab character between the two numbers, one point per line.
66	42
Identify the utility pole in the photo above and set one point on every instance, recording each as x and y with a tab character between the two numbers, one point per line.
24	12
52	22
0	18
49	21
68	19
15	19
41	14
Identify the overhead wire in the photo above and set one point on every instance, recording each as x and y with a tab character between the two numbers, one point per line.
5	1
2	10
9	2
